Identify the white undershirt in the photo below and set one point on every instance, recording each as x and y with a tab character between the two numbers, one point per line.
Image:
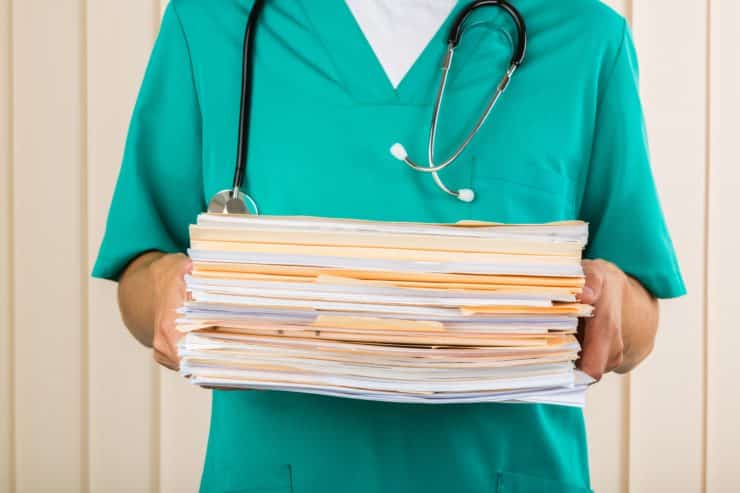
399	30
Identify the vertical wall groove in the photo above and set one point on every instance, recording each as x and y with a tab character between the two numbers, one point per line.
723	270
11	244
11	249
625	452
7	412
707	212
84	274
157	7
156	434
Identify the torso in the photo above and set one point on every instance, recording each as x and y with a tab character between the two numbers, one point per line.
324	116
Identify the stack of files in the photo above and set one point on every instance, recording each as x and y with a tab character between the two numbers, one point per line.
390	311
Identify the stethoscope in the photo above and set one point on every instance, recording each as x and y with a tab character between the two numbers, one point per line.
234	201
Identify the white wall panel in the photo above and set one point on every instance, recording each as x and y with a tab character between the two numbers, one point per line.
49	273
6	336
607	419
122	377
667	393
723	334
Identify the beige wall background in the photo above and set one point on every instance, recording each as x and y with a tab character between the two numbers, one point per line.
82	406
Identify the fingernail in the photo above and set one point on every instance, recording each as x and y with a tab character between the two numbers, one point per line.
587	292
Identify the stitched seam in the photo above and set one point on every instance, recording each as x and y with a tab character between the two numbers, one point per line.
189	54
340	79
612	69
194	85
600	100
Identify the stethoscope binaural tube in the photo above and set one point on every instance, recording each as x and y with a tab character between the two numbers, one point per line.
399	152
234	201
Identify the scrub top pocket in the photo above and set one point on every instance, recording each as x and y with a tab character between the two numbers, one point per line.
508	482
502	189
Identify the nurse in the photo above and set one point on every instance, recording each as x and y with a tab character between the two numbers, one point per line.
335	84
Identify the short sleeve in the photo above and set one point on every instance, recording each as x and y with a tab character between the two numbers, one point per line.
620	201
159	190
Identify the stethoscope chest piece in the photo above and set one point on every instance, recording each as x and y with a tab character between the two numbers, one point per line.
228	202
233	201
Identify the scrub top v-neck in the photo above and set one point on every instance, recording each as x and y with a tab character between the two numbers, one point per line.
566	141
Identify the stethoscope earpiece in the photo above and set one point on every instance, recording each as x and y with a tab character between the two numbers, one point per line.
398	151
466	194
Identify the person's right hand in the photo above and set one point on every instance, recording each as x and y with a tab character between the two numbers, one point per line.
167	274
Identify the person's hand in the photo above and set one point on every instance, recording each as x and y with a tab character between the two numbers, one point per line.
167	273
602	343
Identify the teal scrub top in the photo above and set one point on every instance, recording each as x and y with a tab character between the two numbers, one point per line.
566	141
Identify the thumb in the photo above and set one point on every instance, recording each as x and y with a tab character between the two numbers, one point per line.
592	287
186	266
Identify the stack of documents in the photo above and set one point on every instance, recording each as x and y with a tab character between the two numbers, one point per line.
403	312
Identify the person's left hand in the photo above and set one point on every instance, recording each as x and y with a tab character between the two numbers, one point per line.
602	343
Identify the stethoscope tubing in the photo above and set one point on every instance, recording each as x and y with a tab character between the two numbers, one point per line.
245	107
434	167
234	200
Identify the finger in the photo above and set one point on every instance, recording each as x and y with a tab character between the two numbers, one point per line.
173	337
165	361
164	353
596	346
186	267
594	282
183	262
617	357
171	346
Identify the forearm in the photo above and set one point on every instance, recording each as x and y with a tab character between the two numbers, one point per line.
639	324
136	297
